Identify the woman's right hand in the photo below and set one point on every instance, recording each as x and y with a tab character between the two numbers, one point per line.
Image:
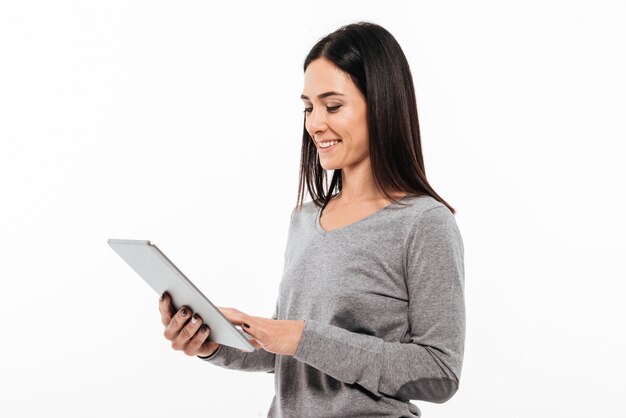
185	329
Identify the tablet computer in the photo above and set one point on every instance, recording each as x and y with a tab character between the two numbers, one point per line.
162	275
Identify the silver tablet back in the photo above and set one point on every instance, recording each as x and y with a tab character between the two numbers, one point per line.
162	275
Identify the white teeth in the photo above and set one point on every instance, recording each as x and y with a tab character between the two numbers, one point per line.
327	144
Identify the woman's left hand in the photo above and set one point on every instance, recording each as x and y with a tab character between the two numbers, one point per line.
273	335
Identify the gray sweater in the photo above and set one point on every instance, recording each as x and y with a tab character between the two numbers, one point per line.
383	305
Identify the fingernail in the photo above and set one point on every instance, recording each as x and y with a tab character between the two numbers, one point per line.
194	319
204	328
183	312
246	325
162	298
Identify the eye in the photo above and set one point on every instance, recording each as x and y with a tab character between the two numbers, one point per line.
329	108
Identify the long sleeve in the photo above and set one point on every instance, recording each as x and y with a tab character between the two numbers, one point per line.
258	360
427	366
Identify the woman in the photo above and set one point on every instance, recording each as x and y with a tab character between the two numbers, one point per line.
371	310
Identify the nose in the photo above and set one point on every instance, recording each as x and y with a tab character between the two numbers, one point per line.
316	121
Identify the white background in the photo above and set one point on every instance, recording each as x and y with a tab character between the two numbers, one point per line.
181	123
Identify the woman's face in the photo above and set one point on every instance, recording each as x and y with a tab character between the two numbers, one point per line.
335	109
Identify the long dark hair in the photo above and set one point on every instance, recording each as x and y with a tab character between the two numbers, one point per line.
377	66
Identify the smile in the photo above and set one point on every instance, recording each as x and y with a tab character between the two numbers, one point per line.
329	146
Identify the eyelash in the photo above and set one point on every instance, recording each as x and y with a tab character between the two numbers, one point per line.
329	108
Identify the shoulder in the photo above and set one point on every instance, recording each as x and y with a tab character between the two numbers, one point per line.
419	209
424	202
431	220
307	208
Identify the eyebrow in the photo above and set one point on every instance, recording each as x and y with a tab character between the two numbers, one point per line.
321	96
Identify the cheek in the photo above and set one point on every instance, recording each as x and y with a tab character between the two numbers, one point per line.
356	127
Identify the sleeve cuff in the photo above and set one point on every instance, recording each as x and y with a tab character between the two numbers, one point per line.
213	355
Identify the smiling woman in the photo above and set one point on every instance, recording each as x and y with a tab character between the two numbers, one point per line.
358	90
371	310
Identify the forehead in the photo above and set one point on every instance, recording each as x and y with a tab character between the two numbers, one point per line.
322	75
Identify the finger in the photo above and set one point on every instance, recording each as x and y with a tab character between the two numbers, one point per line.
250	324
177	323
166	308
255	327
187	332
193	346
234	316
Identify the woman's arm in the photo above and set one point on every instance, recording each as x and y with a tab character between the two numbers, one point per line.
428	367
